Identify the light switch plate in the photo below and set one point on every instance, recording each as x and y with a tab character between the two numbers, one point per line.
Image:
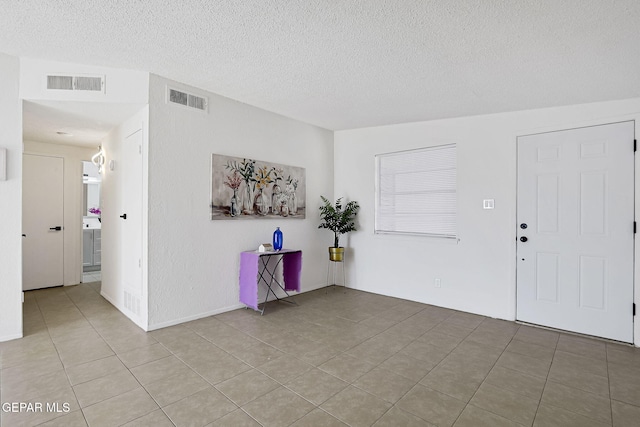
488	204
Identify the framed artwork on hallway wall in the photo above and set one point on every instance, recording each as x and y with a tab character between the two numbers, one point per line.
244	188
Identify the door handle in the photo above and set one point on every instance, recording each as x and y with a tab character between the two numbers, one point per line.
58	228
523	239
123	216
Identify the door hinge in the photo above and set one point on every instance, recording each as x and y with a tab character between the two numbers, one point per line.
635	145
635	224
634	308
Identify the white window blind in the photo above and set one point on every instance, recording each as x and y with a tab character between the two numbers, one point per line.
416	192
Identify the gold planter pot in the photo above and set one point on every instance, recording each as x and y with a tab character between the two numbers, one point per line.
336	254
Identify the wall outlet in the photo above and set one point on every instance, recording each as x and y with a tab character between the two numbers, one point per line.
437	283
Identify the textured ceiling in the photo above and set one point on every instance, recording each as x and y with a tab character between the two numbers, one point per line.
81	123
349	64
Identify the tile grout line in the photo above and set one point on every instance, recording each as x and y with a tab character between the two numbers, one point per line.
315	367
492	366
58	353
298	351
584	391
434	367
101	337
606	357
344	352
172	353
425	375
240	373
546	380
394	405
116	355
485	379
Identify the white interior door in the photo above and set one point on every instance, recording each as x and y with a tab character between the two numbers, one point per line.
132	223
42	222
576	230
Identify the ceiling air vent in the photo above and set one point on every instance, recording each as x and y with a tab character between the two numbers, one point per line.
187	99
76	83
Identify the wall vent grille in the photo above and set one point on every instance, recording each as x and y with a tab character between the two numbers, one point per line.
132	303
76	83
190	100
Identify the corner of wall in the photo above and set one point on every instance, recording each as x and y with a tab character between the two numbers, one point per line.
113	238
11	196
193	261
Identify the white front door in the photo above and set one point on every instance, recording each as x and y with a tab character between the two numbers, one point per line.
576	230
132	225
42	221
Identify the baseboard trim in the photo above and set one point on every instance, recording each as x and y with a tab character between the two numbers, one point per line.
137	322
194	317
10	337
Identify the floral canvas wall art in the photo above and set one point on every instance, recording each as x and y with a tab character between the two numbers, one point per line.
251	189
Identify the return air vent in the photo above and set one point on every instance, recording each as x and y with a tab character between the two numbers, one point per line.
190	100
76	83
132	303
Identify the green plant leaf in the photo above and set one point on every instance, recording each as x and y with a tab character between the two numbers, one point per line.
337	218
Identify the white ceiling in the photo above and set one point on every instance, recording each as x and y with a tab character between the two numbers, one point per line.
83	123
351	63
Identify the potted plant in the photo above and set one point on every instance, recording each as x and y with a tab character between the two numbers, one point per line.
340	220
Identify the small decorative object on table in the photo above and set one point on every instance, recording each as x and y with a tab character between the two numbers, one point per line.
265	247
277	239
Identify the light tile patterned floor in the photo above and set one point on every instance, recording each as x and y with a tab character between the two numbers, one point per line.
91	276
341	357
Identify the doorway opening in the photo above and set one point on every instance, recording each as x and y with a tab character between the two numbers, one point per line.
91	224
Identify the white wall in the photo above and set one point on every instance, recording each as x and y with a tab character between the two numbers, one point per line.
193	261
73	157
478	272
113	188
126	89
11	201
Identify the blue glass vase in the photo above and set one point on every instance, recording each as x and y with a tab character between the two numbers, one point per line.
277	239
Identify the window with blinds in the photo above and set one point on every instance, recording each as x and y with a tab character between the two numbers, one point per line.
416	192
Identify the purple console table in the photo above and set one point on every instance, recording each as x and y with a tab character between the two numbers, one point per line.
254	268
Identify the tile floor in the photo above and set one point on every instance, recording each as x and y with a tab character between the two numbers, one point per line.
341	357
91	276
